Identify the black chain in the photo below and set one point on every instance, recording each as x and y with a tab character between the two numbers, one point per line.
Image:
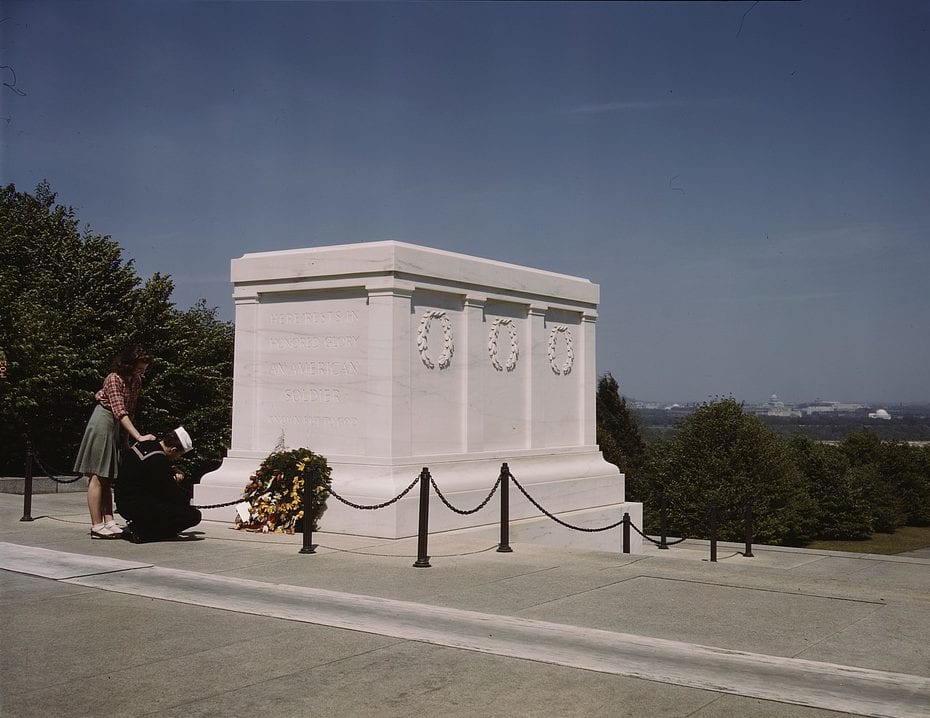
331	493
48	473
657	543
672	543
461	511
223	505
38	461
558	520
375	506
406	491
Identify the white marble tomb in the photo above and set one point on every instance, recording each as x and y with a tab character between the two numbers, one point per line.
386	357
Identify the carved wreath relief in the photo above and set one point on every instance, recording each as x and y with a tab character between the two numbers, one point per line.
566	366
445	356
492	344
448	346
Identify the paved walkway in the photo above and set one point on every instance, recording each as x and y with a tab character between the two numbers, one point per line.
231	622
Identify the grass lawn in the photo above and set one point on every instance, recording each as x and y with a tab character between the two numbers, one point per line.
906	538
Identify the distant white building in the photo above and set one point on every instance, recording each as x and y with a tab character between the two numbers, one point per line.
773	407
880	414
831	407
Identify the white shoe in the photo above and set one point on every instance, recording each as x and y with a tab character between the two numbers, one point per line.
115	528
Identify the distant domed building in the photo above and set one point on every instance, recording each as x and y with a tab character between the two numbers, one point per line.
880	414
773	407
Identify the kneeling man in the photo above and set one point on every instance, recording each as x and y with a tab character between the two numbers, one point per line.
148	490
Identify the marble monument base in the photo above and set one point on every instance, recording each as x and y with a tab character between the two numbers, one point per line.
570	480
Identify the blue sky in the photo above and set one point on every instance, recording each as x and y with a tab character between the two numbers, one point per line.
749	183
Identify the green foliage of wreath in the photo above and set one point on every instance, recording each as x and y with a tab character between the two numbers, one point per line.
275	492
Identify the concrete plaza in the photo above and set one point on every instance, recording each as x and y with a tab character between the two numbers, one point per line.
232	623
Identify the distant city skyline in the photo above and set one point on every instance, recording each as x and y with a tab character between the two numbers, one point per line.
747	182
846	404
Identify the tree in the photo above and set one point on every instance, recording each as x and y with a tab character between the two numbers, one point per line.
618	433
723	457
70	301
843	507
901	468
877	468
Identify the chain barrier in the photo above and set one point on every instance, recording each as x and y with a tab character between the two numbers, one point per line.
220	506
462	511
426	480
49	474
652	540
374	507
556	518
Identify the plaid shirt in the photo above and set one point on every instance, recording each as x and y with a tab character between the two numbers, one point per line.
119	395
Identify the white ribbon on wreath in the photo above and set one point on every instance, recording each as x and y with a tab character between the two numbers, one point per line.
566	367
445	357
492	344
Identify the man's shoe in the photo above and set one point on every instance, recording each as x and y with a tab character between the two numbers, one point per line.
133	536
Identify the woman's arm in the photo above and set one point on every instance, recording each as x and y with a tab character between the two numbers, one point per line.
133	432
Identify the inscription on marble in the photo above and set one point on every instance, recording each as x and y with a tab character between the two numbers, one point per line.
348	316
326	422
313	395
312	372
315	368
329	341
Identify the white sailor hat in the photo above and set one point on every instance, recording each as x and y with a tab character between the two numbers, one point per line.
185	439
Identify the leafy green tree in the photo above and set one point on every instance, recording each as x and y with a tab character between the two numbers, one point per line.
843	508
618	433
901	468
723	457
920	514
862	447
649	483
190	381
880	470
884	502
70	302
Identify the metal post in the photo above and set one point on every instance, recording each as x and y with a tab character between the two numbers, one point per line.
713	533
308	546
626	533
663	521
27	485
423	529
504	545
747	518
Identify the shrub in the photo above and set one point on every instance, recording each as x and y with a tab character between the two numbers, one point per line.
722	456
275	491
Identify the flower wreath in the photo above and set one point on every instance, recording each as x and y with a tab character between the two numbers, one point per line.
275	492
445	358
492	344
566	367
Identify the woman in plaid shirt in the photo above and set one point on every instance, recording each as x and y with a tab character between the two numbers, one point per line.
98	455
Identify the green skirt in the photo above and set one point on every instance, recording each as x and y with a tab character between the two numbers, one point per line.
98	453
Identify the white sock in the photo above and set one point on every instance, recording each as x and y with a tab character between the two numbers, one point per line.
97	527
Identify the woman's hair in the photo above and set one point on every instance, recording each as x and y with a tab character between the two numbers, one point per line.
125	362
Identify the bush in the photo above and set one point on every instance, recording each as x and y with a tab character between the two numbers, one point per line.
724	457
843	505
275	492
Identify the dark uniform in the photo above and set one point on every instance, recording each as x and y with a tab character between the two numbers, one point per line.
148	496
